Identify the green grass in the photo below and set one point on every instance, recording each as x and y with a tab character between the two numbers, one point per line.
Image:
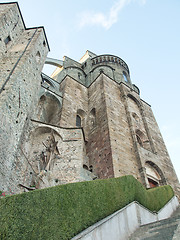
62	212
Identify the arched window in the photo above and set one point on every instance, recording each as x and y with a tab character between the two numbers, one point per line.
79	75
135	116
125	77
78	121
91	168
85	166
139	140
80	118
152	175
142	139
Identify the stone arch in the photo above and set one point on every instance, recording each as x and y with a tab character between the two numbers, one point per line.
49	109
41	130
76	73
134	107
140	136
102	68
136	89
139	140
85	167
78	69
139	128
142	139
81	113
48	81
134	99
54	62
135	117
154	174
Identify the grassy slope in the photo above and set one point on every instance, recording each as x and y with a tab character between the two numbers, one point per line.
62	212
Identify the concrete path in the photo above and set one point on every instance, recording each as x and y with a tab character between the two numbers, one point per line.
168	229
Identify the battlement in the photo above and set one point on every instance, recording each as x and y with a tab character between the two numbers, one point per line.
109	59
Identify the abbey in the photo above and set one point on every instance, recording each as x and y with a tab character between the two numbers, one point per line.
85	122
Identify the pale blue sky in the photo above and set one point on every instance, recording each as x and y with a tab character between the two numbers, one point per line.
144	33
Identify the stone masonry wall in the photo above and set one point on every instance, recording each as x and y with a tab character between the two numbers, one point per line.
40	144
152	149
160	157
75	96
98	145
11	26
58	165
114	132
123	152
21	73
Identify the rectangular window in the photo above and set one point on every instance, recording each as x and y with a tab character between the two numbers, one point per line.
7	40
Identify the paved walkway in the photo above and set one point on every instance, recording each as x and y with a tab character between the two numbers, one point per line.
168	229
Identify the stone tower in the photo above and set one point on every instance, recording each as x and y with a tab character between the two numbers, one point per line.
121	136
86	121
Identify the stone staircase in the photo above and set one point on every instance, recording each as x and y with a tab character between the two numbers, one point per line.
168	229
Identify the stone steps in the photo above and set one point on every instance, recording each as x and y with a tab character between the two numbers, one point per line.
161	230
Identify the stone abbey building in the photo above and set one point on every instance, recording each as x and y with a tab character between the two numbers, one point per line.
85	122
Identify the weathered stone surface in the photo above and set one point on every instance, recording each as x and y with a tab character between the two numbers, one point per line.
20	83
87	122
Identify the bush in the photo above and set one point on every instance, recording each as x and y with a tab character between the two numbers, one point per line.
63	211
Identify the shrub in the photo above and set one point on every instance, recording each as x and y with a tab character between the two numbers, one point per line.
63	211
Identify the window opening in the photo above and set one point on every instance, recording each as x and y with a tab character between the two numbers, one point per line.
153	176
91	168
152	183
38	56
7	40
101	70
125	77
139	140
78	121
85	166
79	75
135	116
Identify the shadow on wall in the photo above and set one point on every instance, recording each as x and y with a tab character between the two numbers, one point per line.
49	109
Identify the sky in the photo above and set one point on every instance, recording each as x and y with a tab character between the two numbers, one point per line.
144	33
